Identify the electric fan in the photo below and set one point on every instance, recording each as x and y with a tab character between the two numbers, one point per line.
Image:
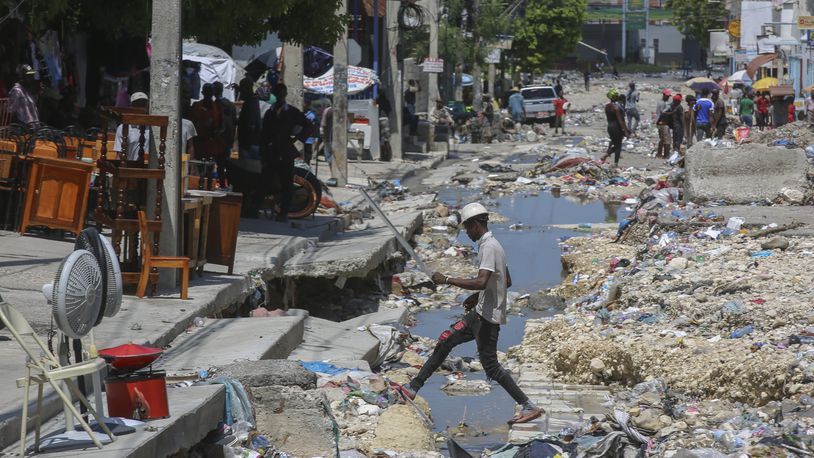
76	294
90	239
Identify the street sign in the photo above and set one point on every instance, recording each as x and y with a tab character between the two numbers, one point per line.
493	57
431	65
805	22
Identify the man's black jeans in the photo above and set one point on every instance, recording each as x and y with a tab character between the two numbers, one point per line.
485	334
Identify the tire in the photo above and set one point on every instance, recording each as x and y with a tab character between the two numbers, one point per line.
307	194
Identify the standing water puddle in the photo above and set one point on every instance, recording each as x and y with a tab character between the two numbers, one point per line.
533	254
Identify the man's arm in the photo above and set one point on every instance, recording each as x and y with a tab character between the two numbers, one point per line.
473	284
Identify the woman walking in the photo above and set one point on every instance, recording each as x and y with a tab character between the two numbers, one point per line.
617	129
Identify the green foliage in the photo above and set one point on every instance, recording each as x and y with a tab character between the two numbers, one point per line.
468	27
548	32
696	17
212	21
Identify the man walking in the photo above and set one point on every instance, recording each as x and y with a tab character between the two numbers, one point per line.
663	124
631	108
747	110
559	113
516	106
703	109
719	121
485	312
282	125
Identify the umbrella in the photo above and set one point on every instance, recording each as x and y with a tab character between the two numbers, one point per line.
700	83
809	88
765	83
739	76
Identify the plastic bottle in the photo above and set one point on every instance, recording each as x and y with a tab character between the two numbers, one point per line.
738	333
801	340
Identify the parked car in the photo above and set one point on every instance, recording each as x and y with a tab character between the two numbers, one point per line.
539	104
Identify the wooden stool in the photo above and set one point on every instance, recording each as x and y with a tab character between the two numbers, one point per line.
159	262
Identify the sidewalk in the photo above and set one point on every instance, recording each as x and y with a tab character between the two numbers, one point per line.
264	246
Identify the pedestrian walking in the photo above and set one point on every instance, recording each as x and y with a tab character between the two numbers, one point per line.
586	75
485	312
703	113
719	122
632	107
559	114
282	125
689	121
516	106
558	88
617	129
663	125
676	114
746	110
762	104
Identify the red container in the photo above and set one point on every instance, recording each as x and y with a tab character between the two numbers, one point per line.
139	396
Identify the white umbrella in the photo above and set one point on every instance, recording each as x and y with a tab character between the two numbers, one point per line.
739	76
216	65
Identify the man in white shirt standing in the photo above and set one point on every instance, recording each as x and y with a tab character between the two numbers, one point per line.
485	312
137	100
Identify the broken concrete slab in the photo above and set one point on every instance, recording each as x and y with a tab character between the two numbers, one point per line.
327	341
295	419
194	411
224	341
383	315
352	254
269	372
745	174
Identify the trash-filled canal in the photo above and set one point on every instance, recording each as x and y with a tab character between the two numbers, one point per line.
533	253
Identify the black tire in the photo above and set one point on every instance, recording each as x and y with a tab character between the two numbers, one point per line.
307	194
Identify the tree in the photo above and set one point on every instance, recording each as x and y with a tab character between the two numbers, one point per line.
695	18
218	22
548	31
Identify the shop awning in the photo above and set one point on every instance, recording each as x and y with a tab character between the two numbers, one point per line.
757	62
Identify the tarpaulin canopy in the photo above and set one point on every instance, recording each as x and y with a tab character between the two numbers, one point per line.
359	79
757	62
216	65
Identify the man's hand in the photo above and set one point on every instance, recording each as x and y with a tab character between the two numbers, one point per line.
438	278
471	302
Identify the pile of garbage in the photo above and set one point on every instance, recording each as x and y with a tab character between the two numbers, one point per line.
701	322
799	133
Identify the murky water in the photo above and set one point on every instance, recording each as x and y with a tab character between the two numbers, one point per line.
533	254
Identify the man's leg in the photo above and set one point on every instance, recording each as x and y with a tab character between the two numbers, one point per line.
486	337
459	333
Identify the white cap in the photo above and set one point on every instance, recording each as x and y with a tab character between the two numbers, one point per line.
138	96
472	210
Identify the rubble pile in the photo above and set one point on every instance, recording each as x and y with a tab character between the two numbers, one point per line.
799	133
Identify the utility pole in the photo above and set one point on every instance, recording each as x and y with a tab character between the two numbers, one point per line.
432	78
292	74
395	87
624	30
339	164
165	100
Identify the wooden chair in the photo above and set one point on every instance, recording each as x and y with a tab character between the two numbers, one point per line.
151	262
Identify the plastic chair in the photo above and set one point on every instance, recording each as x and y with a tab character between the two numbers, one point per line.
150	262
43	367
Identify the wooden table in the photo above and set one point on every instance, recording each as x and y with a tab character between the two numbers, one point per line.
224	226
195	231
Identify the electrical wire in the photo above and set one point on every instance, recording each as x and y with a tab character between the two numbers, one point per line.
411	16
11	12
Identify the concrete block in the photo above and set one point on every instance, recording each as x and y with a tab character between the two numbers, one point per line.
222	342
194	411
744	174
269	372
